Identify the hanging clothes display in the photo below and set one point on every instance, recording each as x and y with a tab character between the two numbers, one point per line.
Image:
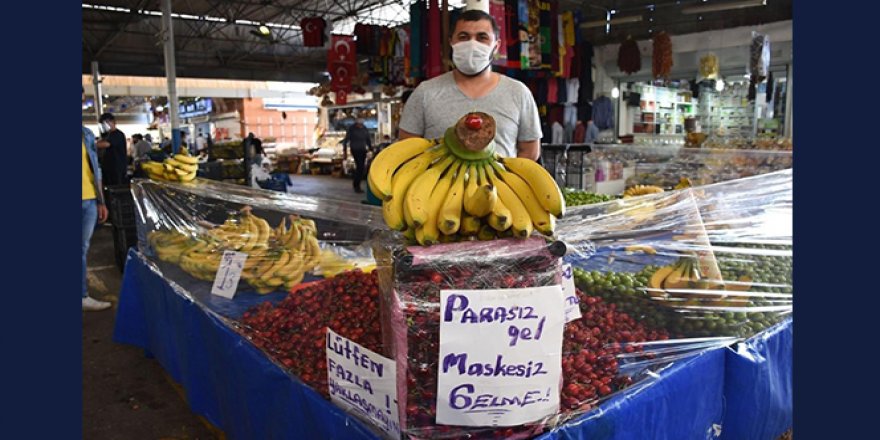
603	113
416	43
498	12
435	61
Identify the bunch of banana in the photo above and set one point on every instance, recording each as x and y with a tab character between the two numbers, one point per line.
180	168
685	281
439	191
277	257
641	190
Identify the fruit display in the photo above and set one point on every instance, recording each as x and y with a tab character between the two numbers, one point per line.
179	168
411	301
574	197
641	190
457	188
277	257
293	331
665	166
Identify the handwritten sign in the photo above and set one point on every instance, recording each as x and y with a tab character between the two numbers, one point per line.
228	274
363	382
500	355
572	304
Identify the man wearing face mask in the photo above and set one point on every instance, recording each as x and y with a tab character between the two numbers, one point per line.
438	103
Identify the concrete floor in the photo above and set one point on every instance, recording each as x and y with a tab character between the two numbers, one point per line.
125	394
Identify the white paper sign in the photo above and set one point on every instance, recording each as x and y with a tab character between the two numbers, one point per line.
363	382
500	356
572	304
228	274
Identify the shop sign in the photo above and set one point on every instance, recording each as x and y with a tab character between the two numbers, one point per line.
228	274
196	108
572	304
500	355
363	382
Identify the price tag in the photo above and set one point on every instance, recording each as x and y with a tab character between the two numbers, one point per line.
572	304
500	356
363	382
228	274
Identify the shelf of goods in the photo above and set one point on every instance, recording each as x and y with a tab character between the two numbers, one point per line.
662	286
666	166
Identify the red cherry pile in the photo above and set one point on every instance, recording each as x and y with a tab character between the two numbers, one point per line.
293	331
590	349
418	290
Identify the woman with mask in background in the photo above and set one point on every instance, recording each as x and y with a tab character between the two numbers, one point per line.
438	103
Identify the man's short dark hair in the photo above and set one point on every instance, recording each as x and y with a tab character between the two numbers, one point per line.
477	15
107	117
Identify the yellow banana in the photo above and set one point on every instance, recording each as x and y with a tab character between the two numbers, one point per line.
449	218
410	233
419	193
481	201
392	209
543	221
252	234
521	223
383	166
430	231
541	182
486	233
189	168
187	159
264	229
470	225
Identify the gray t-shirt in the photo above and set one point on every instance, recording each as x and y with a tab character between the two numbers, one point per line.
438	104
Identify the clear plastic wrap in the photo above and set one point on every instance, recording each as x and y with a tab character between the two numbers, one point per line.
185	229
666	166
412	278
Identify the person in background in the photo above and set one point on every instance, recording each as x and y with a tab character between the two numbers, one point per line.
386	141
114	164
201	143
184	145
141	148
438	103
94	210
358	139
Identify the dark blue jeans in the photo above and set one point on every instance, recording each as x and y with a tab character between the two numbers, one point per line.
89	220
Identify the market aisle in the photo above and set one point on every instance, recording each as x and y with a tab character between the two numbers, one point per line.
324	186
125	395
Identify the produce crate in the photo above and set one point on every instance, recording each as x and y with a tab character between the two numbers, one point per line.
121	206
567	163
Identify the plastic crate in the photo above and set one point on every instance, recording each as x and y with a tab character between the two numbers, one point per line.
567	163
123	239
121	206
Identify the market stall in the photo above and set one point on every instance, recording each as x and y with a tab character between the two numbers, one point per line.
672	357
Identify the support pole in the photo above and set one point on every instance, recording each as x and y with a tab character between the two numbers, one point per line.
171	74
99	97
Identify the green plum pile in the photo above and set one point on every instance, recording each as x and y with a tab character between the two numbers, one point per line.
574	197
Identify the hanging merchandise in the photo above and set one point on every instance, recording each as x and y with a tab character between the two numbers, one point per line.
435	63
342	65
629	58
662	60
709	67
759	61
498	12
510	36
603	113
416	42
313	31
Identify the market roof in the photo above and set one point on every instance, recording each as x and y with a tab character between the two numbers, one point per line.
214	38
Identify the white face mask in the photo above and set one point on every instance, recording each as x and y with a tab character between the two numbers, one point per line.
471	57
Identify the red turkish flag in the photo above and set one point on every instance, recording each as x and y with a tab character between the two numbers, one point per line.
341	96
341	60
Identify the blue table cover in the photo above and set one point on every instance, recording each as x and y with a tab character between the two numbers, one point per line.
742	392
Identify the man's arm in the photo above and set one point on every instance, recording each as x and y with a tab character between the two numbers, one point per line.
529	149
403	134
102	143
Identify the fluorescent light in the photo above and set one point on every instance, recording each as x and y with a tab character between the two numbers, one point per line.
615	92
719	85
613	21
723	6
